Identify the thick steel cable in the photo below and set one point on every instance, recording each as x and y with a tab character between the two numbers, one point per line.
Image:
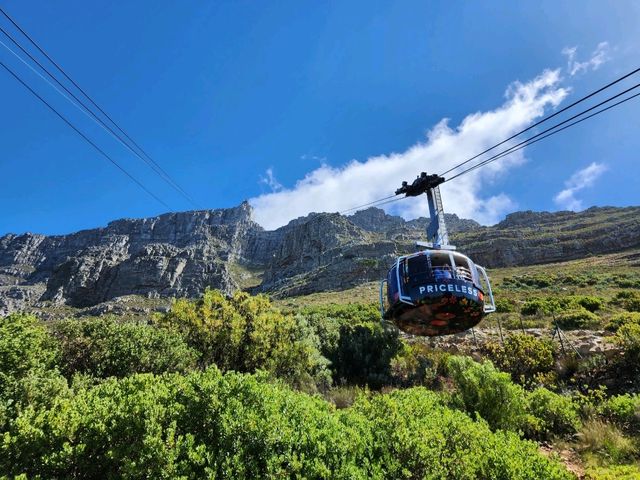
159	170
366	204
586	97
122	169
504	154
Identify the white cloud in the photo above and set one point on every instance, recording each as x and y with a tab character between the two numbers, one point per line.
581	179
599	56
331	189
269	179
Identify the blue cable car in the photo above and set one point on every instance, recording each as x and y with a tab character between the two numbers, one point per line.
436	291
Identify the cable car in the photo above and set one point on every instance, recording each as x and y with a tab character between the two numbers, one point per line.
436	291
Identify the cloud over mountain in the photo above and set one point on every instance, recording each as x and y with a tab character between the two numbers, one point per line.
579	180
330	188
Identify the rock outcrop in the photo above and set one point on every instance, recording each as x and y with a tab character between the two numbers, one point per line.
181	254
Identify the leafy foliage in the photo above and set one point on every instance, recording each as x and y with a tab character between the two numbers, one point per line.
621	319
577	319
564	304
629	300
623	410
628	337
105	347
359	348
553	414
246	333
528	359
28	358
25	348
504	305
209	425
483	390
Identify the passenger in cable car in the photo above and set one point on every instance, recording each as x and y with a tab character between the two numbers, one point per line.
443	273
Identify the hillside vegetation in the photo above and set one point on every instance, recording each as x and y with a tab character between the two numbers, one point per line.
316	387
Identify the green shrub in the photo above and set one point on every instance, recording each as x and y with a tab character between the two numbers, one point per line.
553	414
629	300
622	319
528	359
504	305
246	334
25	348
358	347
106	347
615	472
28	374
415	436
540	306
482	389
577	319
363	354
590	303
209	425
628	337
623	410
561	304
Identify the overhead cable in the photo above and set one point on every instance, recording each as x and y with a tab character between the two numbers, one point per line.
513	149
102	152
140	153
586	97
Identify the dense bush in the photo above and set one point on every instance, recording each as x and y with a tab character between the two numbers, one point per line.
623	410
528	359
363	355
563	304
629	300
628	337
578	318
504	305
26	348
106	347
415	436
209	425
246	333
621	319
359	348
540	306
482	389
552	414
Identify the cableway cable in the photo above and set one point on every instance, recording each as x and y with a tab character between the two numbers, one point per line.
80	105
504	154
586	97
525	142
122	169
366	204
546	133
145	156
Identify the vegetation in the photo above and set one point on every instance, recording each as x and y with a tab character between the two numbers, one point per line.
105	347
317	387
528	359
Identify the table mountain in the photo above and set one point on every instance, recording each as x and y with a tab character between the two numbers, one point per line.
181	254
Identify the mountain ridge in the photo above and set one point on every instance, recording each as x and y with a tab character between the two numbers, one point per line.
182	253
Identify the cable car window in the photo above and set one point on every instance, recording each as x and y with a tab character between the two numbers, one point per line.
441	264
463	270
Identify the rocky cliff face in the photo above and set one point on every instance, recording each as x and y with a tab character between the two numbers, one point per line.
177	254
181	254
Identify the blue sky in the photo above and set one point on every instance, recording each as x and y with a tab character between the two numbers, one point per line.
221	93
